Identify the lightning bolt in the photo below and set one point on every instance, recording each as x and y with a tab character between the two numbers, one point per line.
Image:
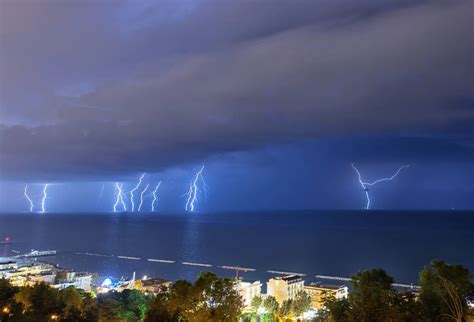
101	192
365	184
141	197
45	195
119	197
135	189
28	198
155	197
193	191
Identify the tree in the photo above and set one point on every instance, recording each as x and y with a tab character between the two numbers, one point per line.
159	309
109	310
372	296
71	300
44	302
409	308
256	303
135	303
286	308
7	292
372	299
338	310
8	304
271	305
443	290
223	302
301	303
210	298
90	309
23	297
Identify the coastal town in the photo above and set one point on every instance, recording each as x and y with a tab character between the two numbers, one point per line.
29	269
289	295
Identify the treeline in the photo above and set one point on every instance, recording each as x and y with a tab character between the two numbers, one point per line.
444	289
210	298
442	297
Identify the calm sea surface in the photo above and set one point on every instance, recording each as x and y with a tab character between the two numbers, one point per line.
310	242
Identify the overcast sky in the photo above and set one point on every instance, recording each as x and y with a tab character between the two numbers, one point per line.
276	97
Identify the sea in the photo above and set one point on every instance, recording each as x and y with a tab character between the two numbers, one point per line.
265	244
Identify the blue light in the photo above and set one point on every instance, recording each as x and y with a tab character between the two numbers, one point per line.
141	197
135	189
45	195
365	184
155	197
28	198
107	282
193	191
119	197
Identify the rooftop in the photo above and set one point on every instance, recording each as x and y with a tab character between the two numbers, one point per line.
154	281
290	278
325	286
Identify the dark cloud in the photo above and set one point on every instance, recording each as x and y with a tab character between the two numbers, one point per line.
162	86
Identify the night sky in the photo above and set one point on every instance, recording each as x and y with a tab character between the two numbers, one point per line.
276	98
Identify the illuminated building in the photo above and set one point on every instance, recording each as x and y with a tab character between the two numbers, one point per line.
153	285
78	280
21	275
247	290
321	293
7	267
25	272
284	288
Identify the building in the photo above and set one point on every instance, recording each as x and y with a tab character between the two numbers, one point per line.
7	267
22	273
470	302
322	293
63	279
78	280
153	285
284	288
248	290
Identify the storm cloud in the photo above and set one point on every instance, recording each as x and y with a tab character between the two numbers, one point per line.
106	89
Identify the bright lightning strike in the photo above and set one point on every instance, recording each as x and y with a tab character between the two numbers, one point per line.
135	189
119	197
193	192
155	197
141	197
45	195
365	184
101	192
28	198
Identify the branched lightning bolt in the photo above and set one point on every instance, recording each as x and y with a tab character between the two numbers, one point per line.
365	184
387	179
28	198
193	191
135	189
45	195
119	197
155	197
141	197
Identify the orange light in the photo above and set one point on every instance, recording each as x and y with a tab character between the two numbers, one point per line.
6	310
